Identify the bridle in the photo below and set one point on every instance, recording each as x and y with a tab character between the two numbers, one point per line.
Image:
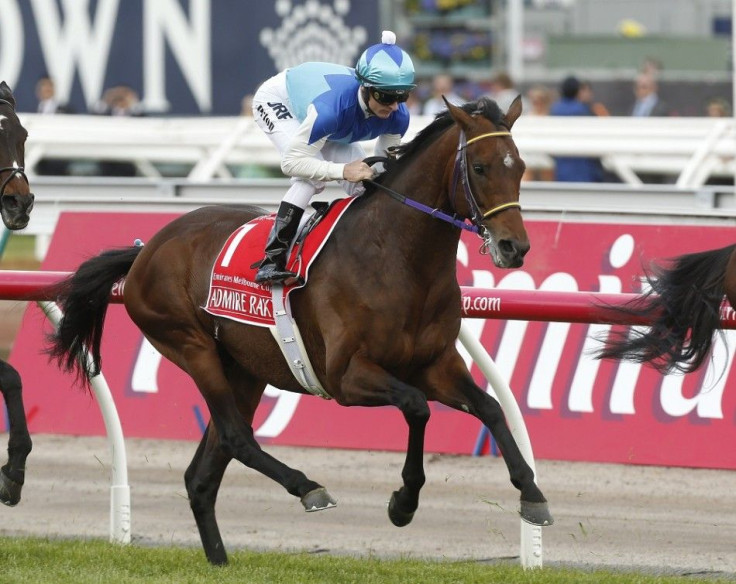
13	170
459	173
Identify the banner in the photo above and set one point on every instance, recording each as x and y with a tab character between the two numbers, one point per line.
180	56
576	408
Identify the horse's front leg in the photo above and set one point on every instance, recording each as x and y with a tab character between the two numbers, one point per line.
453	386
366	384
12	475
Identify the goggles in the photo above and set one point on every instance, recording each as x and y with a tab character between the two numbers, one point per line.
388	97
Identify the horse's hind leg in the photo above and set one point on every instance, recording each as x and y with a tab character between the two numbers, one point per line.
12	475
203	478
197	354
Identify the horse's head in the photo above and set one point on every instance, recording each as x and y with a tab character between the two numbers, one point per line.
16	199
490	171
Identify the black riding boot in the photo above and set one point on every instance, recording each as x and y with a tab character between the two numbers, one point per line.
273	266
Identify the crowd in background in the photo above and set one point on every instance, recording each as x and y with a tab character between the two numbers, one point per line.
573	96
119	100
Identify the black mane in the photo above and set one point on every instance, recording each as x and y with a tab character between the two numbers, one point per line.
484	106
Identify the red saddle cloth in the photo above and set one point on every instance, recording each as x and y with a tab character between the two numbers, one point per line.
233	291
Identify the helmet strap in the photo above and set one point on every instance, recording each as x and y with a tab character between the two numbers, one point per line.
366	97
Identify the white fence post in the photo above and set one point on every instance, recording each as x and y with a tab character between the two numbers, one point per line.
531	535
119	489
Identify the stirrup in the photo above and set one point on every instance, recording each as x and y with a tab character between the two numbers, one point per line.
273	274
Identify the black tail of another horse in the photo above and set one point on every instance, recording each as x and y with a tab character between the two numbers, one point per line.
685	300
84	298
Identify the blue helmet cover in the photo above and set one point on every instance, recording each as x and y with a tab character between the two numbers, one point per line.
386	66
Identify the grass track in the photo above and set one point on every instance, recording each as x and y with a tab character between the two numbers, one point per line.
44	561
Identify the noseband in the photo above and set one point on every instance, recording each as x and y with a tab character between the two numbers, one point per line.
13	170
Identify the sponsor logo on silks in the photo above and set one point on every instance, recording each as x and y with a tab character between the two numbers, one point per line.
264	117
280	110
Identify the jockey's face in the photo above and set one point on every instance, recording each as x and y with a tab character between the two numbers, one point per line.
378	109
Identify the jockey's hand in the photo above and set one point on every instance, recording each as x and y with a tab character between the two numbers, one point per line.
356	171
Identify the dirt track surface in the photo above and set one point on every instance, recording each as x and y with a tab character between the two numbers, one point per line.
661	520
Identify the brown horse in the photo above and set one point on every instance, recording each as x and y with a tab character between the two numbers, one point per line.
16	202
380	316
686	296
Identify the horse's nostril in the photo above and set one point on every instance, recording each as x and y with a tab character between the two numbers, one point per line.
513	247
18	203
10	202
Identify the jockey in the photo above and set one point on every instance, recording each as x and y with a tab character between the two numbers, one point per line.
315	114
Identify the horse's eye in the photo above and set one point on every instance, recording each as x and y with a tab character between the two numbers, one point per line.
478	169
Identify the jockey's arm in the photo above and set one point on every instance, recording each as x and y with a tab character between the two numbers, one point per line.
304	160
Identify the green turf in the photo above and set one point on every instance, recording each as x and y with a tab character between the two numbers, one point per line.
42	561
20	247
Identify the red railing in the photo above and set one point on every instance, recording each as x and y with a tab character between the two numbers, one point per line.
541	305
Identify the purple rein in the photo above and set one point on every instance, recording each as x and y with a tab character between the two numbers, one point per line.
460	173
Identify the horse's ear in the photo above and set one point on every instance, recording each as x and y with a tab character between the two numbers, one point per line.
514	111
6	93
458	114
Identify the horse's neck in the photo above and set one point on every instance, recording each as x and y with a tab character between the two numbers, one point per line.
402	228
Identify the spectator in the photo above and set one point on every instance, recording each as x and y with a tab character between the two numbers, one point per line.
503	91
717	107
539	167
648	102
47	100
574	168
651	66
414	104
246	105
442	85
48	104
540	98
586	96
119	100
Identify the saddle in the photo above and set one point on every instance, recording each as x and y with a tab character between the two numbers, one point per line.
233	291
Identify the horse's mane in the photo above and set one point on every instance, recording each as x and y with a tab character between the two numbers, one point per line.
484	106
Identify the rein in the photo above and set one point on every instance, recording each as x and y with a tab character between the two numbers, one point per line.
460	171
13	170
432	212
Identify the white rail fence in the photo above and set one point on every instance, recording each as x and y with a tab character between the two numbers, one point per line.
688	151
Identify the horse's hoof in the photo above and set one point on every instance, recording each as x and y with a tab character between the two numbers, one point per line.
9	491
398	517
536	513
317	500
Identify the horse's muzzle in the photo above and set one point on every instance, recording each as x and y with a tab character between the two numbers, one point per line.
509	253
16	210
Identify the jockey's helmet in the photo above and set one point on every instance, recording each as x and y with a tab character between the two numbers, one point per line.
386	66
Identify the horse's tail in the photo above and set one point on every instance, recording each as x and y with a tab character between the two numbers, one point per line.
84	298
685	300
